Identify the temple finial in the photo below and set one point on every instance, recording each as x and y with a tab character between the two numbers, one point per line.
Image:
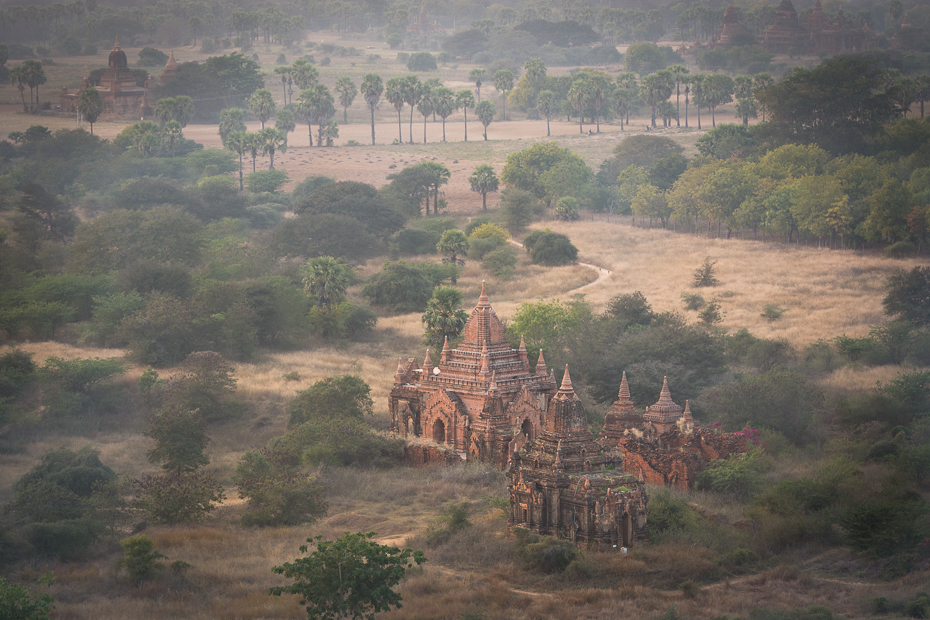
541	364
566	382
116	44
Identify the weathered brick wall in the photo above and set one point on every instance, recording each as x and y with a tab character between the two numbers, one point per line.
423	455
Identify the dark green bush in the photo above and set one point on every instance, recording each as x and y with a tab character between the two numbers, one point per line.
501	261
345	396
65	539
669	513
545	553
553	249
411	241
400	286
277	498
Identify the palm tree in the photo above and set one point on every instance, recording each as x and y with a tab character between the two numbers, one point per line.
238	143
284	72
697	94
18	79
90	105
304	74
578	98
656	88
413	92
327	279
484	181
759	82
285	122
443	318
171	134
453	243
261	103
599	91
272	140
536	75
35	77
425	105
922	92
485	112
477	76
322	107
435	174
231	119
372	88
547	101
503	82
628	89
254	144
183	110
678	71
444	105
303	111
346	90
718	90
395	94
464	100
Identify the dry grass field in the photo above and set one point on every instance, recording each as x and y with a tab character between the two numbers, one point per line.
824	294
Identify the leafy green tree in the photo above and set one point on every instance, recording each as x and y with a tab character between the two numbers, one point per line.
180	440
327	279
644	58
421	61
261	103
275	497
304	73
443	318
351	577
18	602
90	105
399	286
553	249
356	200
140	559
318	106
908	295
372	89
169	499
656	88
453	244
345	91
345	396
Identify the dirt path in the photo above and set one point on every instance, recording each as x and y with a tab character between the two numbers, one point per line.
602	274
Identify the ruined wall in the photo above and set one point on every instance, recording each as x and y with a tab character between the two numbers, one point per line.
422	455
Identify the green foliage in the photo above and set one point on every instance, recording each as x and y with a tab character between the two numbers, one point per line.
501	261
567	209
452	519
140	559
343	320
644	58
443	317
338	236
814	612
711	313
705	275
277	498
266	181
305	188
486	238
545	553
162	333
327	279
17	370
18	602
693	301
422	61
345	396
400	286
356	200
908	295
151	57
772	312
884	525
669	513
169	499
180	440
413	241
206	385
740	474
553	249
352	576
80	375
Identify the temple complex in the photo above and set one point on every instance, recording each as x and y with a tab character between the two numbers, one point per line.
819	33
909	38
421	26
567	484
482	400
662	443
117	88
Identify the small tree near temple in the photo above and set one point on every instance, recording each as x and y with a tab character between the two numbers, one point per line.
351	577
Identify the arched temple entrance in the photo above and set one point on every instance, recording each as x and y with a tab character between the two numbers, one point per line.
527	429
439	431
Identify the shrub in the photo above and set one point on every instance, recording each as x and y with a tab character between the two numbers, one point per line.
266	181
162	333
169	499
67	540
484	239
399	286
411	241
567	209
740	474
693	301
151	57
18	603
140	558
79	375
345	396
553	249
705	275
711	314
501	261
263	216
669	513
206	385
772	312
545	553
16	372
422	61
901	249
335	441
275	498
518	209
453	518
306	187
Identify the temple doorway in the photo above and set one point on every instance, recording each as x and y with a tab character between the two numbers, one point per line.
527	429
439	431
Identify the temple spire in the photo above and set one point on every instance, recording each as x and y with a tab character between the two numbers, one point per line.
493	386
483	297
541	365
444	356
566	389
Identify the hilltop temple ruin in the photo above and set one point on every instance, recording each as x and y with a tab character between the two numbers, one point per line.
117	88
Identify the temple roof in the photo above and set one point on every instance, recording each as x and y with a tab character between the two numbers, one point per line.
665	409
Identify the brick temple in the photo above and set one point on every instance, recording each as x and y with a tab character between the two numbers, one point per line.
568	484
482	400
117	88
